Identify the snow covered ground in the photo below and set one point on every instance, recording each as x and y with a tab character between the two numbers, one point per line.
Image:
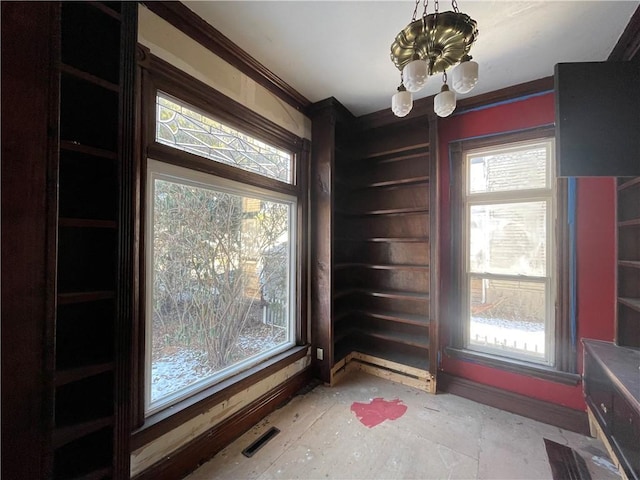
515	335
183	367
175	371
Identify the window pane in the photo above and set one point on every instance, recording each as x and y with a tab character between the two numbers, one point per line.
519	168
221	284
508	315
508	238
183	127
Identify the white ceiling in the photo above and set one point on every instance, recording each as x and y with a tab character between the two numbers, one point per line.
341	48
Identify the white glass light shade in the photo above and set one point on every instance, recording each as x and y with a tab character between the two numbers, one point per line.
415	75
401	103
464	76
445	102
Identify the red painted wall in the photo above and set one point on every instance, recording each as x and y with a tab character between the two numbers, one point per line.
595	229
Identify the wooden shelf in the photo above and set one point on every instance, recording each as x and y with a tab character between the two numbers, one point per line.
373	266
81	297
104	9
400	183
389	211
386	239
69	70
394	294
96	152
337	317
404	357
633	303
629	183
97	474
629	263
86	223
406	318
396	337
629	223
64	435
63	377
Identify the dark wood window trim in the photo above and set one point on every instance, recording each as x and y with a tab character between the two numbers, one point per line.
157	75
166	420
564	370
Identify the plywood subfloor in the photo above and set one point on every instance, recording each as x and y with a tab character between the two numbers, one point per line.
439	436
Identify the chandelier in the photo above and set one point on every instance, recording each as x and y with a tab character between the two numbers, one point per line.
428	46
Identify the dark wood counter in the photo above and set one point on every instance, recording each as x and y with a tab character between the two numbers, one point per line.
612	394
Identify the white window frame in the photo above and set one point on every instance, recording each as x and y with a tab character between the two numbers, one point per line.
547	195
157	170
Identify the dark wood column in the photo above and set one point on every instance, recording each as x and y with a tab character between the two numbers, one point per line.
321	234
27	303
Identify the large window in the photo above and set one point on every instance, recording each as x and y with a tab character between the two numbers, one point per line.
509	205
220	294
222	289
508	216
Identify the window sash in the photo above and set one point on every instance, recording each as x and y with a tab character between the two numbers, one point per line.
501	197
157	170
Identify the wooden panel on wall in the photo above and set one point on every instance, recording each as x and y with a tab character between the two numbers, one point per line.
27	50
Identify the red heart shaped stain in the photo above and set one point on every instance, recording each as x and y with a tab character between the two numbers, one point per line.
377	411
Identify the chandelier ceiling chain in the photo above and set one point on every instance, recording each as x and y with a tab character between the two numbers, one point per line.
415	10
431	45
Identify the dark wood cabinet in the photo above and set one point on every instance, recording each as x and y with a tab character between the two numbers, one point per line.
612	394
597	119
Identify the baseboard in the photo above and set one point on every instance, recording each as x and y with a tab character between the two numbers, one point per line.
188	457
539	410
387	369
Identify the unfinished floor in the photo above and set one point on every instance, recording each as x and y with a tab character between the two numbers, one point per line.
439	436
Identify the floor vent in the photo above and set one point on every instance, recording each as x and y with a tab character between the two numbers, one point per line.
260	442
565	462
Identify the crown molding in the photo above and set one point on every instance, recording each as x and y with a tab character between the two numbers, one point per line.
188	22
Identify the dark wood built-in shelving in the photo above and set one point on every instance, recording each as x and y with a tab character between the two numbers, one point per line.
628	265
97	152
81	297
80	373
387	239
396	266
64	435
399	317
86	223
95	81
68	69
633	303
629	223
381	273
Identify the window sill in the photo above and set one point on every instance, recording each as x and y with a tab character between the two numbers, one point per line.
514	366
166	420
